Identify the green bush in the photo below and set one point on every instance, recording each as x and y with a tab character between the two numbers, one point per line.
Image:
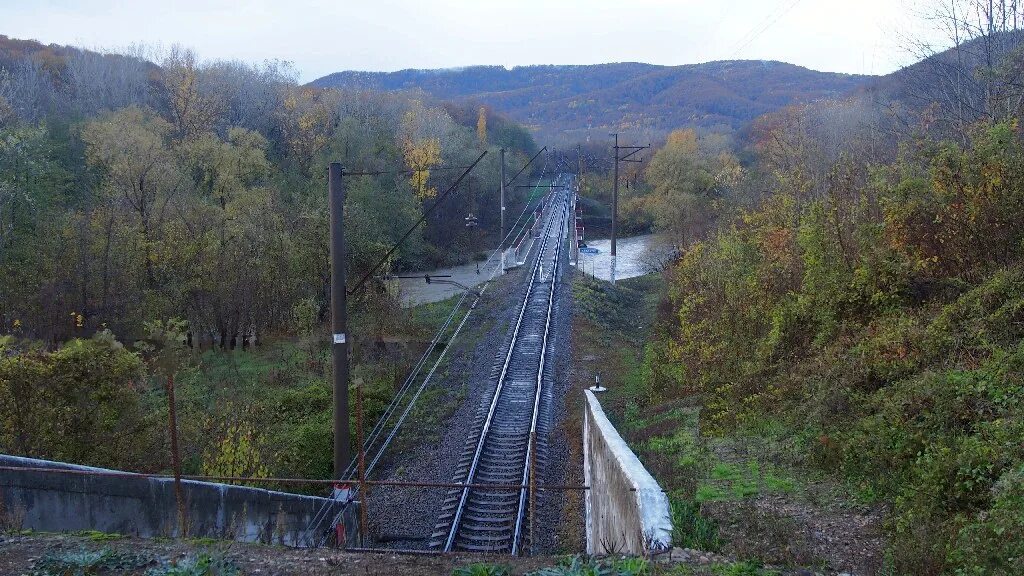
690	529
588	566
83	403
880	319
482	569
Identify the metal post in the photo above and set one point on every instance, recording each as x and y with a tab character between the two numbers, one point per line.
339	318
615	208
501	237
363	536
172	421
615	194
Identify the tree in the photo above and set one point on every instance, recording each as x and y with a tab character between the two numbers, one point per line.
980	76
132	149
82	403
32	217
420	157
306	119
230	226
688	181
194	108
481	127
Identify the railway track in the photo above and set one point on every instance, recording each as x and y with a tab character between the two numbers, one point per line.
499	450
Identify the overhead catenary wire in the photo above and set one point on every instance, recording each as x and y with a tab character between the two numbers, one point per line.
426	380
374	435
320	516
416	225
762	27
427	212
414	373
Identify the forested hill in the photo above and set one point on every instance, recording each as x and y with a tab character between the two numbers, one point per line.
569	103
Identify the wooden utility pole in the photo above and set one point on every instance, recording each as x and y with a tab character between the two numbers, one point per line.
339	318
501	236
172	422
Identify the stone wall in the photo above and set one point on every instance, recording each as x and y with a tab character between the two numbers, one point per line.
143	506
626	510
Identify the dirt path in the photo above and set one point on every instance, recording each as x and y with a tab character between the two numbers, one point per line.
21	553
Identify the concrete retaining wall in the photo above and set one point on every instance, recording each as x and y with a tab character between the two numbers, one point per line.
141	506
627	512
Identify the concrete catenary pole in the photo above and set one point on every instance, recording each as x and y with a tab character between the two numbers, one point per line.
339	318
615	207
501	236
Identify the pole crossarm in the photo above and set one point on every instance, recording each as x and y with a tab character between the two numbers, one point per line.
615	189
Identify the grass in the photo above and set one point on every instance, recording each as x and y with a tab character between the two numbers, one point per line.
97	536
587	566
739	480
106	561
689	528
87	563
614	322
482	569
281	389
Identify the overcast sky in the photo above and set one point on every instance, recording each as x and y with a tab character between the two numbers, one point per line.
856	36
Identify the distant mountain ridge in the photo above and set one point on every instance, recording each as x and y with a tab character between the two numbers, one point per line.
568	103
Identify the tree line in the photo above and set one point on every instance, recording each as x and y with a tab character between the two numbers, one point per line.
139	186
849	282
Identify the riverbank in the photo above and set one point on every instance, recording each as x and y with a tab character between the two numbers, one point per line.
743	495
635	256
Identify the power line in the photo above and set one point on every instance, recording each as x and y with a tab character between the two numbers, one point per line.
768	22
405	171
420	364
412	228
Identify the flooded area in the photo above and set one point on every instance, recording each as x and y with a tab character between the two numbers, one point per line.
636	256
416	290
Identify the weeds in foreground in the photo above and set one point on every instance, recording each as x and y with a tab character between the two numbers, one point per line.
482	569
690	529
87	563
97	536
107	561
743	569
587	566
198	565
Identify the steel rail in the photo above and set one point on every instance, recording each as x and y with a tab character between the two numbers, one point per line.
415	372
531	444
535	280
377	453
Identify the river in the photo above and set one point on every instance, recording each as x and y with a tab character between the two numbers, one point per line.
416	290
635	256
